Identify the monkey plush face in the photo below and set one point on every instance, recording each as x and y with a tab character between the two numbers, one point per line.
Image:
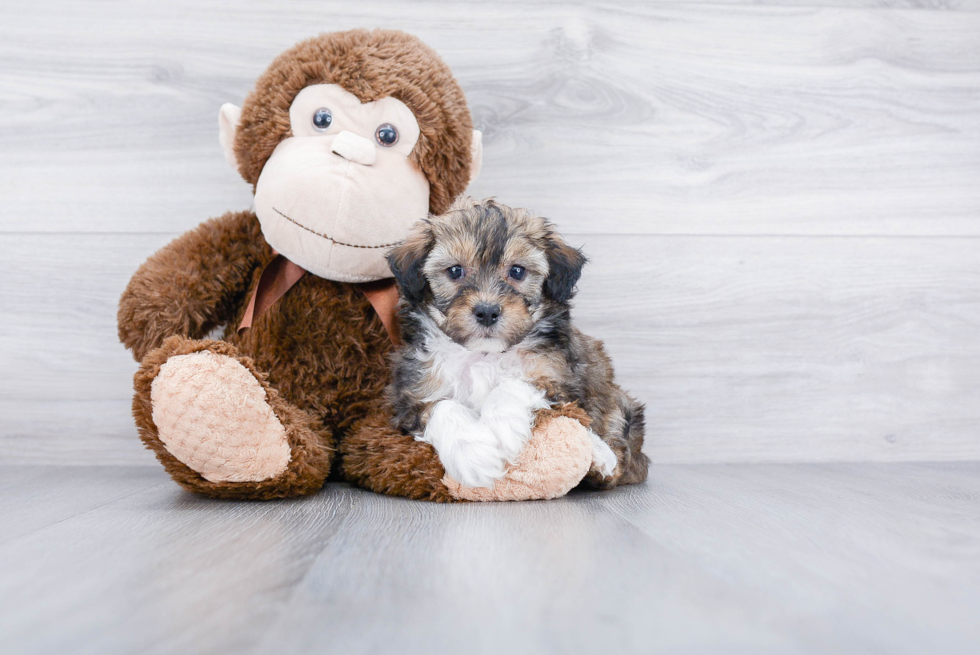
348	139
340	191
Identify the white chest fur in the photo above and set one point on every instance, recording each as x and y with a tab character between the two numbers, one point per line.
483	409
467	376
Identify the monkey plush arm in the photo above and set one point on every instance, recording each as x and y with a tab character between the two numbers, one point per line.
193	284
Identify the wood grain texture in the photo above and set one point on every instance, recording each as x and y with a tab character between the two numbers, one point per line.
798	558
743	348
155	571
794	349
35	497
619	117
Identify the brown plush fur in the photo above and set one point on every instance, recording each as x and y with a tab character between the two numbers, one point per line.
320	353
194	284
371	65
388	461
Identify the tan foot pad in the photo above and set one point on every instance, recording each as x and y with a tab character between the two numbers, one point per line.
212	414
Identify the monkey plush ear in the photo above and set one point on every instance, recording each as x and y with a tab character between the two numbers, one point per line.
476	165
406	262
564	269
228	117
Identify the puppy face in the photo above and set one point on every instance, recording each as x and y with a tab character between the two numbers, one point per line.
486	273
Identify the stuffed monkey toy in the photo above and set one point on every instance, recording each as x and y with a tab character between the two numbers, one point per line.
347	139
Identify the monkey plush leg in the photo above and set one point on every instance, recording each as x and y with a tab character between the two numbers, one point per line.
555	459
380	458
221	429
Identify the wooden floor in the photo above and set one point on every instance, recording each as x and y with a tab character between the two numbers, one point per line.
804	558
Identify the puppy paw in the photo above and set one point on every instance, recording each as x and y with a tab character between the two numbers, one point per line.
603	458
509	413
467	449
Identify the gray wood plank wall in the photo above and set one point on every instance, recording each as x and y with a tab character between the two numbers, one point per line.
781	201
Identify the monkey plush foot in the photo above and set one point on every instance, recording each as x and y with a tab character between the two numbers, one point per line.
555	459
220	428
212	414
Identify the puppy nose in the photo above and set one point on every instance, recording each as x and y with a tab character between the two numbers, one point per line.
486	314
354	148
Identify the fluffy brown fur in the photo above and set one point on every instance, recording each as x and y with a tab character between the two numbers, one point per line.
391	462
371	65
486	259
320	353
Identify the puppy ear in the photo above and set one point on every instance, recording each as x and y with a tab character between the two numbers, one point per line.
406	263
564	269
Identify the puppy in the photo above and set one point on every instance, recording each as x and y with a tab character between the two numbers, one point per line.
488	342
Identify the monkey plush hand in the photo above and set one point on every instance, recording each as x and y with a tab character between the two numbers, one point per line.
347	139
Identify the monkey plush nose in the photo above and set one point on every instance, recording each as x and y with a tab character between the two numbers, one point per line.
486	314
354	148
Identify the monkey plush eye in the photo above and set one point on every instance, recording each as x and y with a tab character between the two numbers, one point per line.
322	118
455	272
387	135
517	272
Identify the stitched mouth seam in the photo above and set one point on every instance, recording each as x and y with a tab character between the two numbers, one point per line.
329	238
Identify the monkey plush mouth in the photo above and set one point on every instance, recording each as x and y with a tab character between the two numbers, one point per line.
331	239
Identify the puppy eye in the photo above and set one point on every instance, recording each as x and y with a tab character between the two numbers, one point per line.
517	272
387	135
322	119
455	272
